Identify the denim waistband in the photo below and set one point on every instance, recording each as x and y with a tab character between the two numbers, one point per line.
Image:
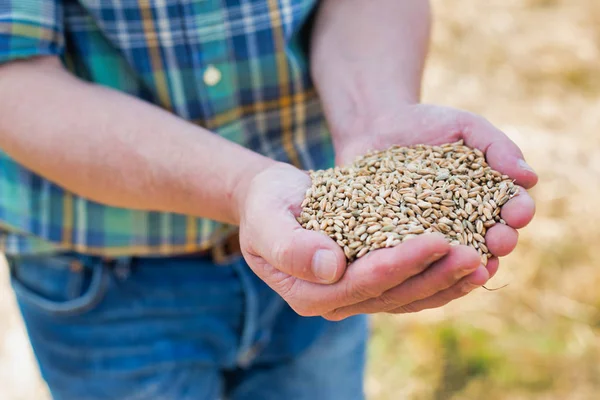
261	304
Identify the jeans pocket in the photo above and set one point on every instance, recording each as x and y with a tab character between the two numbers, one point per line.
59	285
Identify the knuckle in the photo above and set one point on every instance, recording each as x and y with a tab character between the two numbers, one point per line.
407	309
418	268
286	287
457	276
426	279
282	252
386	301
359	291
453	276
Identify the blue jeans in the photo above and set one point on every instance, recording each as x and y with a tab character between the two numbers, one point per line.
176	329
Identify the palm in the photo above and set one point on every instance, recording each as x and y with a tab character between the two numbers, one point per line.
429	124
281	252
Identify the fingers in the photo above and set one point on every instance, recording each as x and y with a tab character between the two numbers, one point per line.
501	240
501	153
368	277
458	263
517	213
462	288
384	269
492	266
519	210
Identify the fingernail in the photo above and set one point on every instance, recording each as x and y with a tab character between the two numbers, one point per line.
434	257
525	166
464	271
468	287
324	265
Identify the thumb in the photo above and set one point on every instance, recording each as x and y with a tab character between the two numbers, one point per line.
501	153
304	254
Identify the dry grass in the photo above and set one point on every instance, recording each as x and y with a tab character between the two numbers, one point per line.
533	68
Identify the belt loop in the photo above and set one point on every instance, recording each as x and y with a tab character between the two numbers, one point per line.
226	251
122	267
218	254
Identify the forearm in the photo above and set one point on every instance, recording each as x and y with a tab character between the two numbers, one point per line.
115	149
367	57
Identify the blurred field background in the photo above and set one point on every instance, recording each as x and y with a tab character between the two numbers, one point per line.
533	68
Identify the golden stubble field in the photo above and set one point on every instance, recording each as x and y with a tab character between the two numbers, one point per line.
533	68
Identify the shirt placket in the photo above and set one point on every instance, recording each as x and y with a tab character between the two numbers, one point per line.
209	56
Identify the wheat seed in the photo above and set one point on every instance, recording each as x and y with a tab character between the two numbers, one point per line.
385	198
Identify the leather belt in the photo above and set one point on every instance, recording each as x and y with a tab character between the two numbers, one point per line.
221	253
228	249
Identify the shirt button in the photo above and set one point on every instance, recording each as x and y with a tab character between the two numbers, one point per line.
212	75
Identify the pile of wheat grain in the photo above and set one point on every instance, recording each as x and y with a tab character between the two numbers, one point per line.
387	197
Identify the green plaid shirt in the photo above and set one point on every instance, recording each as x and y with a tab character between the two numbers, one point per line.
236	67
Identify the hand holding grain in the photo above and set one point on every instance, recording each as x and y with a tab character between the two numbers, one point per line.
308	269
429	124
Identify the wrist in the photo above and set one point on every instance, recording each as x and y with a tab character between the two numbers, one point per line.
358	133
367	62
357	110
238	190
213	186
